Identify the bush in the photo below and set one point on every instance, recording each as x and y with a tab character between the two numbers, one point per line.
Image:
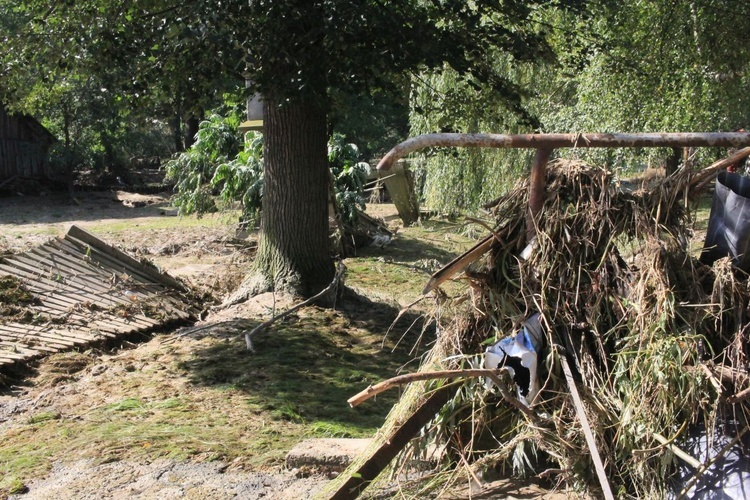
216	165
218	139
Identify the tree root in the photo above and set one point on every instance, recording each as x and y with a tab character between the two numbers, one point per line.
340	271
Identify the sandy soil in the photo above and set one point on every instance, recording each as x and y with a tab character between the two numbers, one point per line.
166	479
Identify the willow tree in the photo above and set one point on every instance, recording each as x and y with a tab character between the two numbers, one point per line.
643	66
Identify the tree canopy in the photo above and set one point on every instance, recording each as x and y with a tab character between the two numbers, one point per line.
102	69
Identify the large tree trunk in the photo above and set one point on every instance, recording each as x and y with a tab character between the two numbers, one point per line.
293	254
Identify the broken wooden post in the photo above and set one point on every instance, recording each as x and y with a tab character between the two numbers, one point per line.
396	441
401	189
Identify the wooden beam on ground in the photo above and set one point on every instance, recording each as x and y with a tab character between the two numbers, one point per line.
467	258
393	444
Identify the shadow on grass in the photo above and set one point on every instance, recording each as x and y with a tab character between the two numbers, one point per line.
304	369
416	245
89	206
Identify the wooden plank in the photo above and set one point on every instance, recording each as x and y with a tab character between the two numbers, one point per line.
49	337
15	348
26	269
68	274
13	355
401	189
89	239
43	347
65	334
73	265
587	433
103	259
470	256
30	338
59	304
378	460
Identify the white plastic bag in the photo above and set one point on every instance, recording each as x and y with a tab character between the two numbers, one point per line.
519	355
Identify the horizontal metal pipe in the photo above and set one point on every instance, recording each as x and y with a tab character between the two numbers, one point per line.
552	141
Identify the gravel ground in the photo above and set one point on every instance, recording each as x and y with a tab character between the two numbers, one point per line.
165	479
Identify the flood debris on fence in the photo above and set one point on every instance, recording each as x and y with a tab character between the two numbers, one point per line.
654	342
76	290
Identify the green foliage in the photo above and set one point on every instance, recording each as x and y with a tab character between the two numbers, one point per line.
241	179
57	65
215	164
375	121
458	180
643	66
217	141
349	175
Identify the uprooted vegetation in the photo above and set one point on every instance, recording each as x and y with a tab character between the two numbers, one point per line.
657	340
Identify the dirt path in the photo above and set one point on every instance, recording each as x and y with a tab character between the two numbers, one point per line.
166	479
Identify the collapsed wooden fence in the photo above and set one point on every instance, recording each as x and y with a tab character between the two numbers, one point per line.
82	291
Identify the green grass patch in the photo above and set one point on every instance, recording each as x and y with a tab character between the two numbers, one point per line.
304	370
400	270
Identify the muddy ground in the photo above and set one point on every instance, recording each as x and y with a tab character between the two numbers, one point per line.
165	416
211	259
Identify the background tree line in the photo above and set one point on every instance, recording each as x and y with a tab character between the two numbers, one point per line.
115	79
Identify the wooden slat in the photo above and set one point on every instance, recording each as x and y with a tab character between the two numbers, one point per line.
71	335
12	347
86	268
86	238
42	342
13	355
50	337
42	347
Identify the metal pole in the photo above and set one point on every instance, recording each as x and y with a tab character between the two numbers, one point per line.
552	141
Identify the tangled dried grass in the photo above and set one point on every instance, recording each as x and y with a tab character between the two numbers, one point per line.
658	340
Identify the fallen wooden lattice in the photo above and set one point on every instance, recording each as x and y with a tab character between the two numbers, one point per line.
78	291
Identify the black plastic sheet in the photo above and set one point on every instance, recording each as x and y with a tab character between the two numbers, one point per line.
728	233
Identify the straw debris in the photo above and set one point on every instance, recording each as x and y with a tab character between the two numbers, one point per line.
657	341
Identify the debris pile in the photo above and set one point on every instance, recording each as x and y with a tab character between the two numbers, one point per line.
657	342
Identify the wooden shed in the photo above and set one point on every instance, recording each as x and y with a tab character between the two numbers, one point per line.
24	147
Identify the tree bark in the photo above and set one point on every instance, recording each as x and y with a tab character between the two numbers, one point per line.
673	161
293	253
191	130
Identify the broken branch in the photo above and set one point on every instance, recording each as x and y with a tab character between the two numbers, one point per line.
705	175
336	279
376	389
